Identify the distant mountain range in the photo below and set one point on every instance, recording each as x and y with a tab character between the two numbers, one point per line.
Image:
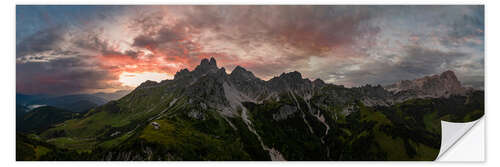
113	95
207	114
74	103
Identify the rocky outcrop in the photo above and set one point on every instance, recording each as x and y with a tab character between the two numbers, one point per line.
239	73
442	85
196	114
291	82
284	112
246	82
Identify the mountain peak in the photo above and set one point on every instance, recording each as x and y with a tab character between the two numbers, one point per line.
318	82
212	62
242	73
239	69
205	62
207	65
439	85
449	74
293	75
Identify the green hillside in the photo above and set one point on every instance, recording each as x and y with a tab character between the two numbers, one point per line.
42	118
406	131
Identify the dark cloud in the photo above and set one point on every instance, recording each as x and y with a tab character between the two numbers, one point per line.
311	28
147	22
145	41
469	29
61	76
155	30
417	62
45	56
423	61
47	63
43	40
91	41
172	40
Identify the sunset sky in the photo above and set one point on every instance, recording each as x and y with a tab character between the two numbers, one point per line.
87	49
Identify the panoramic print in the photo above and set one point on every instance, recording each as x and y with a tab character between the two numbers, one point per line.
244	83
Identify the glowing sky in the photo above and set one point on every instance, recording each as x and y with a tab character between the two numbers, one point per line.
83	49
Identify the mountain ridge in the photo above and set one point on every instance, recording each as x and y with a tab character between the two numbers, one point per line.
439	85
207	114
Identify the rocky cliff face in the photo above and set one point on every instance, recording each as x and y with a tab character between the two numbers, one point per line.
442	85
246	82
209	83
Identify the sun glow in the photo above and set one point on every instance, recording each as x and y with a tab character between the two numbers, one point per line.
135	79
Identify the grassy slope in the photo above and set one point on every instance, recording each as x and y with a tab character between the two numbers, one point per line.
43	117
98	124
180	137
407	131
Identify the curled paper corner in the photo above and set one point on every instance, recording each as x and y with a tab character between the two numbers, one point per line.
451	133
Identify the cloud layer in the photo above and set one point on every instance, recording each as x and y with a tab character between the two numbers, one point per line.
75	49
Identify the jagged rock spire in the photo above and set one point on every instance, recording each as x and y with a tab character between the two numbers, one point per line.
212	62
204	62
207	64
